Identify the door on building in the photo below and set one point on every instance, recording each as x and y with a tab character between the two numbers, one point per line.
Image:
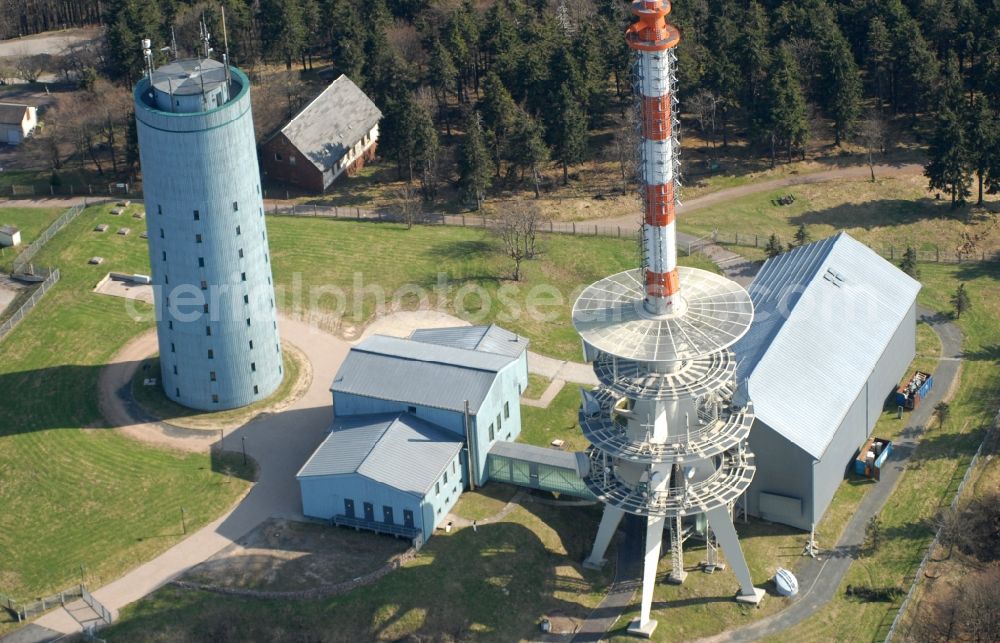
348	507
387	514
407	518
369	511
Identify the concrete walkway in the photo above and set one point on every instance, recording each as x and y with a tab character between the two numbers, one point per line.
279	442
548	395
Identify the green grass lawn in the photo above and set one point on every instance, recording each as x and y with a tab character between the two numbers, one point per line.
31	221
493	584
559	421
536	386
897	212
74	493
341	274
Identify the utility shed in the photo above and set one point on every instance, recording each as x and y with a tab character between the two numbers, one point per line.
834	330
434	382
17	122
485	339
335	133
9	236
391	473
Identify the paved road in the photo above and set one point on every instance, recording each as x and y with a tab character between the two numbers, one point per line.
280	443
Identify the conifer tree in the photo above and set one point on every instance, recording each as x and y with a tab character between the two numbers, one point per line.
568	131
909	263
960	301
948	168
474	164
785	118
527	147
984	155
498	111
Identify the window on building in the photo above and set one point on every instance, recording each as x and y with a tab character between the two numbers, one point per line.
253	367
197	238
291	159
159	209
445	479
175	369
211	354
506	410
243	276
437	488
170	324
411	409
161	233
241	253
454	467
177	392
492	433
255	390
197	216
499	426
201	262
204	285
238	233
166	279
204	308
277	156
236	206
387	514
246	299
172	349
248	321
208	331
164	255
251	344
215	398
211	376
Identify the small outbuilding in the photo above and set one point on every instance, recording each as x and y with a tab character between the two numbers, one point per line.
335	133
10	236
834	331
17	122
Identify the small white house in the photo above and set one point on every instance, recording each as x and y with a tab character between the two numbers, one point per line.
16	122
9	236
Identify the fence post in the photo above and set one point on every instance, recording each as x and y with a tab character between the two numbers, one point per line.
484	220
937	254
358	212
892	252
574	227
619	232
315	213
550	225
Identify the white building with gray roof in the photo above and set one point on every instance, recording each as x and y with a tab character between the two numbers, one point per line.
834	332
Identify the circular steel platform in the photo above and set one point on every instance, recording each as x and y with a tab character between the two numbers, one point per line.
712	314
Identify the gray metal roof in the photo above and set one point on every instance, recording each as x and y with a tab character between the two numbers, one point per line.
12	114
189	76
486	339
399	450
332	122
8	229
824	314
403	370
531	453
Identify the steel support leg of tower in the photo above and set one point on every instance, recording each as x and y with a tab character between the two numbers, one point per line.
643	625
722	524
677	573
609	525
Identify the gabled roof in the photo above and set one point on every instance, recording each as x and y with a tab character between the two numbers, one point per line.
403	370
12	114
331	123
824	313
398	450
486	339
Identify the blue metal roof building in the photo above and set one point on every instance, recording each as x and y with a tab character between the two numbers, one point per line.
414	422
833	333
396	472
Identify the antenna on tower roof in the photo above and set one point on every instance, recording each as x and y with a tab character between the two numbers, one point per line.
173	43
225	44
205	37
147	56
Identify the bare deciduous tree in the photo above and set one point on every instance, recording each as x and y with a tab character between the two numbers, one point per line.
29	67
517	227
624	149
408	205
872	135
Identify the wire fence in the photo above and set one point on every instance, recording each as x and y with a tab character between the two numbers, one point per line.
25	308
43	188
102	612
893	629
25	611
29	253
889	251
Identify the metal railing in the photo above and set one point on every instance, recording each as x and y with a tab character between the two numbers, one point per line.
95	605
937	535
24	611
378	527
23	310
29	253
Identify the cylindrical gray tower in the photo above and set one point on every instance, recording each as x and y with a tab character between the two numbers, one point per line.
218	336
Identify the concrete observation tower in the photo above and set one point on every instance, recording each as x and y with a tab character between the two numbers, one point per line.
668	424
218	336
